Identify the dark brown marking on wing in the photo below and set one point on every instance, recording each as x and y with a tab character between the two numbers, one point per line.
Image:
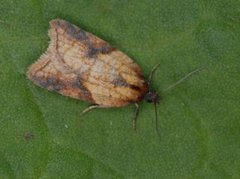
58	23
106	49
50	83
55	84
78	83
121	82
88	39
93	52
41	81
75	32
71	30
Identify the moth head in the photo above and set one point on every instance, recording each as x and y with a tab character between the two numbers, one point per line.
152	97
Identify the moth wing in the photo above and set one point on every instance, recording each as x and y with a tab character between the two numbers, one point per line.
74	50
104	75
111	76
44	74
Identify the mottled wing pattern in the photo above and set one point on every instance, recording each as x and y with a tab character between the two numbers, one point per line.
80	65
44	74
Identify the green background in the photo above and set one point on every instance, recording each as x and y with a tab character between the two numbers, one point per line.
42	134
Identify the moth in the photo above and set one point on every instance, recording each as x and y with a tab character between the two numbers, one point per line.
80	65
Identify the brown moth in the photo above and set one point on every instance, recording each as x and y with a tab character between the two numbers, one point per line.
82	66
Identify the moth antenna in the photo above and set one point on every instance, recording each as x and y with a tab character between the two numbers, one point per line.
182	79
152	72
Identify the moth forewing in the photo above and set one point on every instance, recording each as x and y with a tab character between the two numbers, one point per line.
82	66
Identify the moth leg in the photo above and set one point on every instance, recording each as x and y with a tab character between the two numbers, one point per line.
136	112
90	108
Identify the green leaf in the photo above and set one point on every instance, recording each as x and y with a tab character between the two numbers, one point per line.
42	134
